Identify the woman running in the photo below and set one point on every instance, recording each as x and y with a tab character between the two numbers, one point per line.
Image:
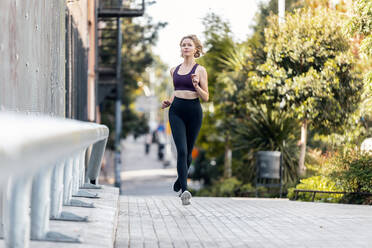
190	82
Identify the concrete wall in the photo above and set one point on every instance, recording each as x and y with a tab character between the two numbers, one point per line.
44	51
32	56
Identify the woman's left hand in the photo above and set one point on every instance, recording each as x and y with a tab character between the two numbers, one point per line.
195	80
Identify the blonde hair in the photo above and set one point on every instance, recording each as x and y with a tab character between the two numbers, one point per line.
198	45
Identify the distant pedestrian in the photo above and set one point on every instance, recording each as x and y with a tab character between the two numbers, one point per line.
161	144
148	139
190	82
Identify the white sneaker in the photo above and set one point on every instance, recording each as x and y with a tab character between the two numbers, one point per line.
186	198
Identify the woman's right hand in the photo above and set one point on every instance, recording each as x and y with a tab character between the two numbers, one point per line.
165	104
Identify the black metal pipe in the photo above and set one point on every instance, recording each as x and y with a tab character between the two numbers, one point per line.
118	110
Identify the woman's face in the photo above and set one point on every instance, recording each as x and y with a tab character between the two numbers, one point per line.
187	47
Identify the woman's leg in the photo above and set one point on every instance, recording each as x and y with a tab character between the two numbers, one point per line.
192	125
192	130
177	184
179	136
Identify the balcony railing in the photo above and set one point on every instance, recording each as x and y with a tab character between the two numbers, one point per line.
121	8
42	165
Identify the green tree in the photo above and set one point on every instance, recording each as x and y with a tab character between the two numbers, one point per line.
361	24
257	41
309	71
229	65
256	124
237	114
360	28
138	40
218	41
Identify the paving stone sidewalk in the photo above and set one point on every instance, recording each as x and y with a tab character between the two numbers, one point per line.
161	221
151	215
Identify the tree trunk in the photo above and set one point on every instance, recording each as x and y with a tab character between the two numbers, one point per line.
228	153
301	162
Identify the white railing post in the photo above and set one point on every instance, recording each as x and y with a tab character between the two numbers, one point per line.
75	174
16	212
57	198
40	203
41	206
95	161
56	193
82	167
67	182
79	176
1	213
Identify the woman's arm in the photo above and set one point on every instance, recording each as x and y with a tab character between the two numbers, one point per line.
167	103
171	72
202	90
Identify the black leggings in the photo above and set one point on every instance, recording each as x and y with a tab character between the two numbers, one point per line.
185	118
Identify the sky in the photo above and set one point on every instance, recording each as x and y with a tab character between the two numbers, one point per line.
185	17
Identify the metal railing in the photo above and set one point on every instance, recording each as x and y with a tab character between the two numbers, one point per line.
120	4
296	191
121	8
42	165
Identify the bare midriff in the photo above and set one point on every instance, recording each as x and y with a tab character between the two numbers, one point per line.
186	94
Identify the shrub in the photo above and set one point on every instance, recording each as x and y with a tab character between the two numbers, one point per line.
268	129
247	188
350	171
229	186
224	187
353	169
323	183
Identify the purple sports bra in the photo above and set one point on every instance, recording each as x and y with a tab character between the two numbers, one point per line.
183	82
